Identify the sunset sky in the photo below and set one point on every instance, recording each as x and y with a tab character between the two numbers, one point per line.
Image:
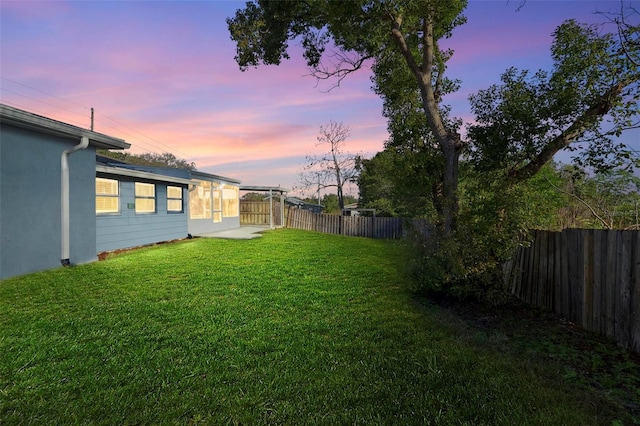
162	76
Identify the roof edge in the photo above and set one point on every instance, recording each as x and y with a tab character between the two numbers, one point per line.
197	173
264	188
27	120
110	170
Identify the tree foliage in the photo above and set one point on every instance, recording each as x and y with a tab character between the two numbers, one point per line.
331	204
398	182
393	32
509	186
483	203
166	159
609	200
528	118
253	196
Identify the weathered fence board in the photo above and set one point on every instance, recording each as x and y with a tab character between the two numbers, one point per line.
357	226
257	213
591	277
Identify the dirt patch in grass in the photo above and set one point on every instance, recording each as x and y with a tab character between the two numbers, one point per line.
106	254
582	358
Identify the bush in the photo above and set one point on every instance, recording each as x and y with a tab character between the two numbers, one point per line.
493	220
458	268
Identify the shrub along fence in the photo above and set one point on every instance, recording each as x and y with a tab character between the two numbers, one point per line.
591	277
357	226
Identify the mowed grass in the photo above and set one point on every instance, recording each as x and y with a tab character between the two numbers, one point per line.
292	328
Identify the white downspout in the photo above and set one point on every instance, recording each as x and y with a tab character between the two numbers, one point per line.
64	198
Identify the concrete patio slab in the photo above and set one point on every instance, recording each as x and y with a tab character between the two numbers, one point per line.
242	233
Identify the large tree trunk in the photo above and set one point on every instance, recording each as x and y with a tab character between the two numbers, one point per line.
450	182
449	142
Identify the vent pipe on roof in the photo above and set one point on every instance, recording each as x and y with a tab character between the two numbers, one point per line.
64	197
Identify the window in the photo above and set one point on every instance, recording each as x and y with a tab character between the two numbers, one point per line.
210	200
230	202
145	197
200	201
107	196
174	199
217	203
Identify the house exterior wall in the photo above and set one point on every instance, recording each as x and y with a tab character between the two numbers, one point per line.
30	206
130	229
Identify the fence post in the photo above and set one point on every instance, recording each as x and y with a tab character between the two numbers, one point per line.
587	284
634	298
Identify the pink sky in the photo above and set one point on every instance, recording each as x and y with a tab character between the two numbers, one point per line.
161	75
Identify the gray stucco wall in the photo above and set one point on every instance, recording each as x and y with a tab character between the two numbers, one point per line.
30	230
128	229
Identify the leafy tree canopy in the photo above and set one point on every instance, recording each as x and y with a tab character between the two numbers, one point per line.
166	159
392	33
524	121
331	203
253	196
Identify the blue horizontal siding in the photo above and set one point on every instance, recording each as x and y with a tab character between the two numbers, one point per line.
128	229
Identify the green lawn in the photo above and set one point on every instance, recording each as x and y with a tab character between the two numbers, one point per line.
292	328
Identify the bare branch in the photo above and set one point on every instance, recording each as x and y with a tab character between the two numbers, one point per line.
334	168
591	209
340	66
628	34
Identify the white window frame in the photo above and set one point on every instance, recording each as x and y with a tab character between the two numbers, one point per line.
200	201
175	198
216	200
115	195
145	197
230	201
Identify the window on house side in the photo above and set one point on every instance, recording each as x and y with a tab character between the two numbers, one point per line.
145	197
107	196
217	203
200	201
174	199
230	203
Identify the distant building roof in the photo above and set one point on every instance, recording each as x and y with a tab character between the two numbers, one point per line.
263	188
27	120
301	203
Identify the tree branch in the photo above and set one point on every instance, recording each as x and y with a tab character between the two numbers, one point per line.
591	209
341	68
601	107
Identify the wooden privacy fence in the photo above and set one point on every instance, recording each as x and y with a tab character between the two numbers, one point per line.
257	213
370	227
591	277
